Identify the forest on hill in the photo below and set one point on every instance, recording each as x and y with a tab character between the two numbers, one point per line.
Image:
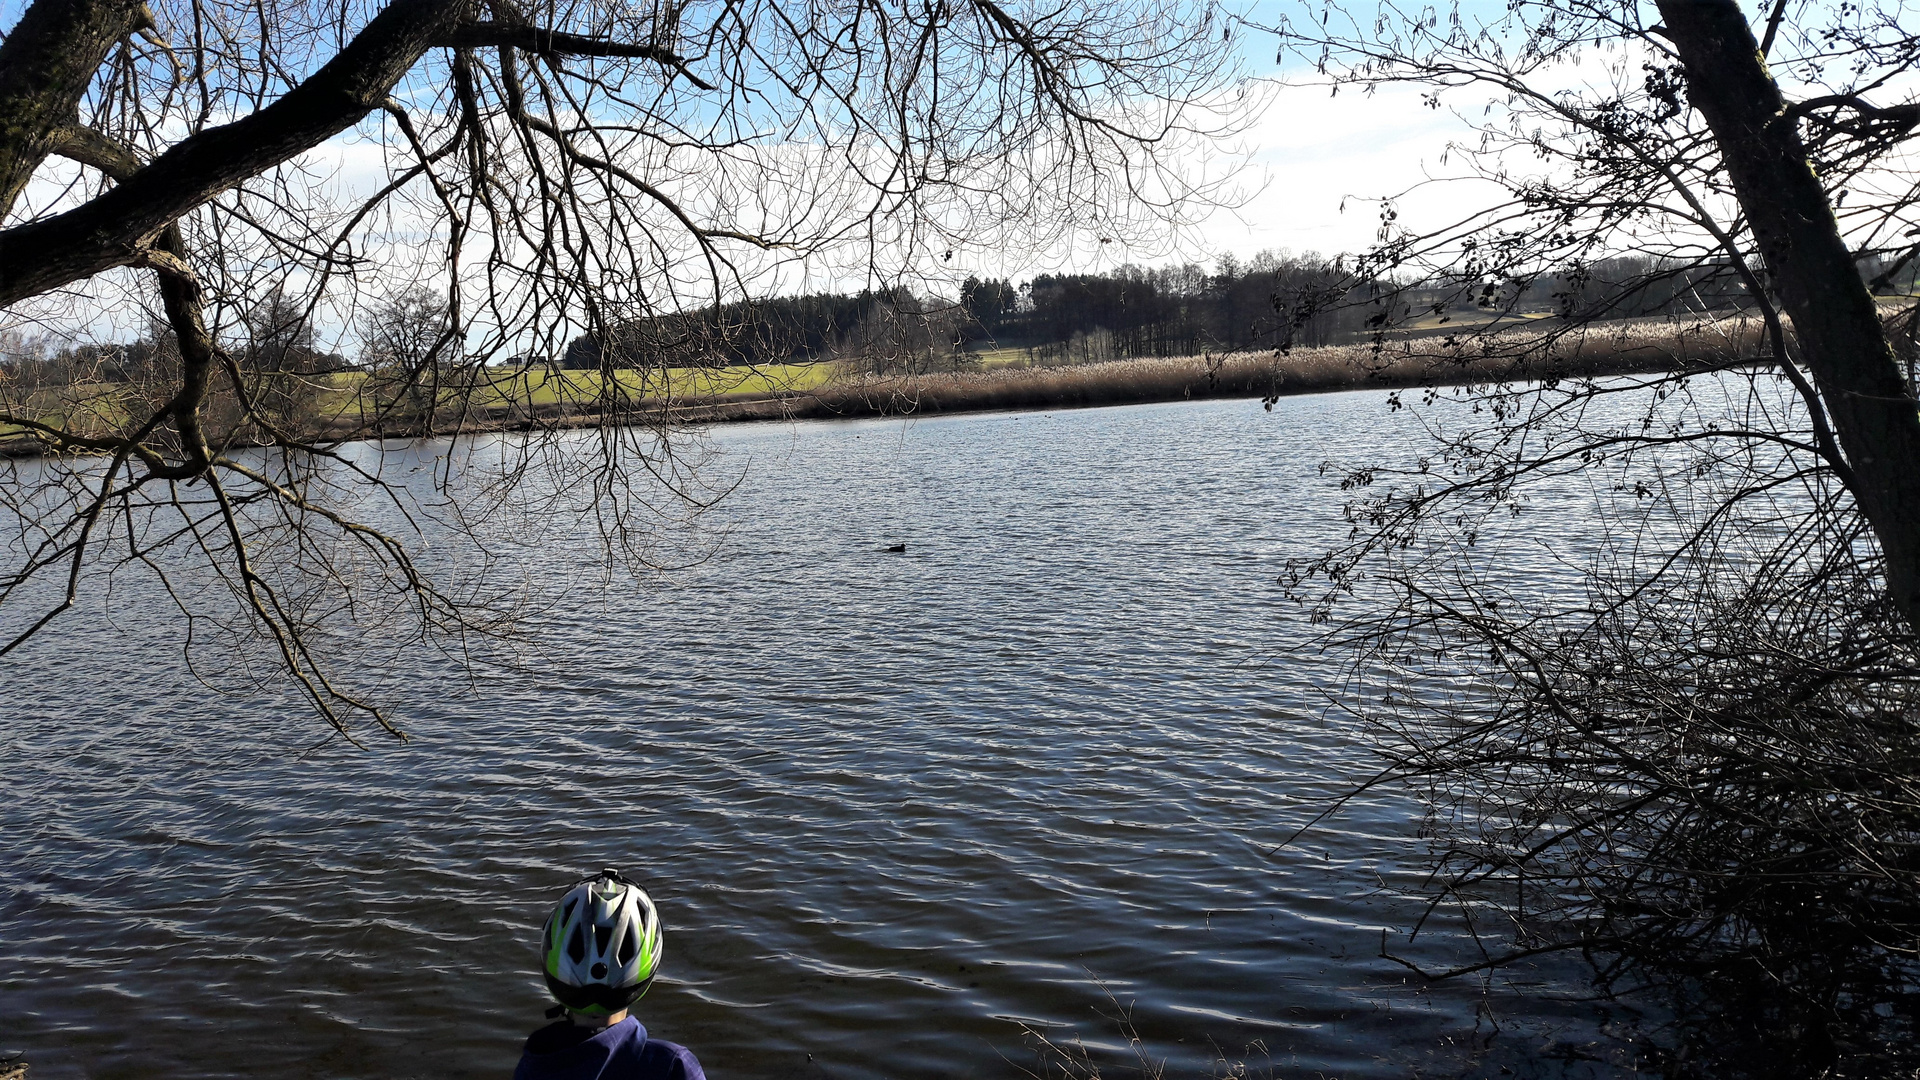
1275	300
1269	301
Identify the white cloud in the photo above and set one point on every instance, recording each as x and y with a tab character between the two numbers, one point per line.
1313	152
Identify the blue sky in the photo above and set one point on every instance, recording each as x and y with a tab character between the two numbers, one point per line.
1312	165
1305	154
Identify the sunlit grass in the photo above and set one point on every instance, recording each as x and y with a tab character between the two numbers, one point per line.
990	359
541	387
354	397
1472	320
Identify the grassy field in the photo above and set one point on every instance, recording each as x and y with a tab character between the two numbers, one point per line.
993	359
350	398
1469	321
538	388
1526	352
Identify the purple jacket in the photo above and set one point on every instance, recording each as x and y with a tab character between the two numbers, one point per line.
563	1051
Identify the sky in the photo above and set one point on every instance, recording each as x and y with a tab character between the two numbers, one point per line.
1305	154
1315	162
1311	164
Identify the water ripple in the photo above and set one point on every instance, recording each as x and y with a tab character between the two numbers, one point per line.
1031	770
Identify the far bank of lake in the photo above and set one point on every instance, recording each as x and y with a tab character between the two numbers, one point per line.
350	406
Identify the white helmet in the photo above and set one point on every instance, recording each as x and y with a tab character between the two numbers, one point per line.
602	945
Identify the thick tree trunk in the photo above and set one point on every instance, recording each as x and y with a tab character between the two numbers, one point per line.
1835	320
114	228
46	63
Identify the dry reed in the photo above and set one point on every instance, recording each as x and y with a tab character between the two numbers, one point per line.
1524	354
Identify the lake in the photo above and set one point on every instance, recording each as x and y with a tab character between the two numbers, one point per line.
900	810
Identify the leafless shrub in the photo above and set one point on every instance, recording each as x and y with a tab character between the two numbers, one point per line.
1646	644
1678	730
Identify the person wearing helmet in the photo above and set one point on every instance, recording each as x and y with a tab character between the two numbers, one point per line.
602	948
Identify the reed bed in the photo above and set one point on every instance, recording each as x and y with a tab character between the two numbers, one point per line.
1523	354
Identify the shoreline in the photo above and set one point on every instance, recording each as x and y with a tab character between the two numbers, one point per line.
1146	381
1408	362
1124	382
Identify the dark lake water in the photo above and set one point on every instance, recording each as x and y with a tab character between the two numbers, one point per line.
894	806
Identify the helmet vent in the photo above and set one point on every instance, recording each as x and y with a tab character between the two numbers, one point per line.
602	937
628	947
577	944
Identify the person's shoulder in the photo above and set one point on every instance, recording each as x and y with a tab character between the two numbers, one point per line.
556	1037
670	1061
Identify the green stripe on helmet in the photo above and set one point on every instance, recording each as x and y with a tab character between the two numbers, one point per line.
553	944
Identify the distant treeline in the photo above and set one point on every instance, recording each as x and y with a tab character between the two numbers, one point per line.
274	336
1273	301
771	331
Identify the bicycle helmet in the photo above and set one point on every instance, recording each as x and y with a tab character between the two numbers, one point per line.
602	945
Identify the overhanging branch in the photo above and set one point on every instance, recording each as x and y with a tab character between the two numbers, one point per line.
111	229
546	42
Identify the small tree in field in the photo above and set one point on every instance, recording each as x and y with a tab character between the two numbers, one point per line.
404	338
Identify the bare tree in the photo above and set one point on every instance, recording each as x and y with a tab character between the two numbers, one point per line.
903	334
1646	644
403	339
247	172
